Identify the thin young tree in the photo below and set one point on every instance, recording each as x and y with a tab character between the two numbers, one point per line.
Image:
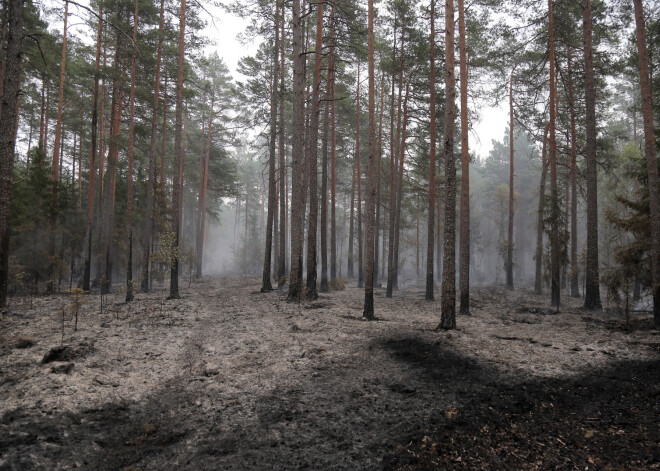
8	122
592	283
651	158
464	249
131	141
448	303
178	155
431	218
370	239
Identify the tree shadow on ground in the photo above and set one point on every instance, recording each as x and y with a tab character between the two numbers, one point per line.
408	403
606	419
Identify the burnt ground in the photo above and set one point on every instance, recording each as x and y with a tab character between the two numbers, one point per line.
229	378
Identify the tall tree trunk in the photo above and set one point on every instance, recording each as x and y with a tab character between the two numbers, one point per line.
370	240
178	156
92	159
351	226
378	178
359	188
448	304
324	191
272	197
297	157
592	283
10	94
393	157
56	150
281	269
509	245
402	110
111	173
151	177
575	288
397	216
333	149
201	208
430	238
651	159
538	280
131	141
554	190
313	159
464	254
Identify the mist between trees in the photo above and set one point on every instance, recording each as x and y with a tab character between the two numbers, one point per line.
341	155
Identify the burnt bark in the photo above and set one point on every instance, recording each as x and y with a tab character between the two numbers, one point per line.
592	283
464	254
430	249
10	93
448	303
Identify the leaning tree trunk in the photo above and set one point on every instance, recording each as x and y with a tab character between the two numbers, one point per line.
448	306
151	177
370	241
10	93
430	247
651	159
592	284
178	157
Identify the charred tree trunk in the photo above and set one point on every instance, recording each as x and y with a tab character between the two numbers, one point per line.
10	93
448	304
178	156
378	180
592	283
430	248
324	192
351	227
392	203
368	312
464	255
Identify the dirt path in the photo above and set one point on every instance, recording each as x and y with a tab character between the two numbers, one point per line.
229	378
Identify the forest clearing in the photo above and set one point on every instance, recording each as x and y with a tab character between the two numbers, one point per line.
230	378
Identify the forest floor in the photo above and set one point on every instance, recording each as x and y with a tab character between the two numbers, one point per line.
229	378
